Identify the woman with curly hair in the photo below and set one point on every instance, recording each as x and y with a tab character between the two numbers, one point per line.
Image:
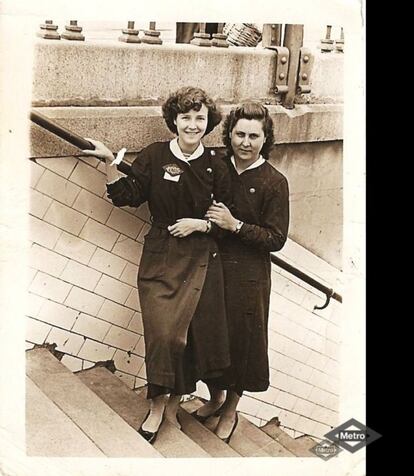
258	224
180	279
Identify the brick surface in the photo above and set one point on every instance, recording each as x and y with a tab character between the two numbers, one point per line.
46	260
57	314
99	234
38	203
50	287
301	371
305	425
72	363
121	338
66	341
84	301
58	188
91	327
33	304
108	263
267	412
80	275
303	407
96	352
30	274
65	218
43	233
286	400
128	249
135	323
116	314
93	206
124	222
36	331
133	300
113	289
143	212
130	274
288	419
75	248
129	363
140	347
139	382
299	388
89	178
62	165
36	172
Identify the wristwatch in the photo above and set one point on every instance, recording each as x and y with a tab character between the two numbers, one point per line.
238	227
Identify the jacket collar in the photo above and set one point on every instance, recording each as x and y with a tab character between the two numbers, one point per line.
175	149
254	165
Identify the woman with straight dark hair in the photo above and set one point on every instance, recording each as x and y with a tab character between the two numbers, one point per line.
258	224
180	279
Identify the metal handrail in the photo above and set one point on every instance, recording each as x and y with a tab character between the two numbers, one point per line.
69	136
329	292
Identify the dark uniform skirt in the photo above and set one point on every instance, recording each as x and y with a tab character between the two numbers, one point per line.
247	275
181	289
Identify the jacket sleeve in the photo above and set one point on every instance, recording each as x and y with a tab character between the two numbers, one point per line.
133	189
222	191
272	233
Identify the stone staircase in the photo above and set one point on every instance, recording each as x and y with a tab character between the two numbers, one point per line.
93	413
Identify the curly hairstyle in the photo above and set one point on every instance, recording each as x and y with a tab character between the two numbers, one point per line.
250	110
186	99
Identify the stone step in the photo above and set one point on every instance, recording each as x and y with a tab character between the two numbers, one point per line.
51	433
133	408
98	421
298	446
199	433
240	441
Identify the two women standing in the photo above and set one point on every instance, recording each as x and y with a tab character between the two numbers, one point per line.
197	323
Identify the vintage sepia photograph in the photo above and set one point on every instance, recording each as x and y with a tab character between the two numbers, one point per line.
188	281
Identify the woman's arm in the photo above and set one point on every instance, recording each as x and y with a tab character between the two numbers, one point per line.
131	190
271	235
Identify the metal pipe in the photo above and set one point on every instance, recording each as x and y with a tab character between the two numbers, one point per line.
69	136
329	293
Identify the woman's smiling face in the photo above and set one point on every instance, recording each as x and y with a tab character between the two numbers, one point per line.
191	127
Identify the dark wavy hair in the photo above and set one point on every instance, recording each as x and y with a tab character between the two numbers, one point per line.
186	99
250	110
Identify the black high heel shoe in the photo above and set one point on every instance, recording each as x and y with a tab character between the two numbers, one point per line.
202	418
227	439
150	436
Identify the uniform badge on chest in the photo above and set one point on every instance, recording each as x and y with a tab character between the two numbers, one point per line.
172	172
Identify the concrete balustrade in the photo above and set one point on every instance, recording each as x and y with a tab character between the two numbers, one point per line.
121	74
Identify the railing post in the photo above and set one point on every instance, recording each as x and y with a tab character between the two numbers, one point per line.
202	38
272	35
219	39
48	31
293	40
73	32
152	36
129	34
327	44
339	44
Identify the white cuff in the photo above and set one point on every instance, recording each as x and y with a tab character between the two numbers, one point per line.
119	157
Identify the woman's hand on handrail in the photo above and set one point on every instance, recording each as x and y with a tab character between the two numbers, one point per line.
100	151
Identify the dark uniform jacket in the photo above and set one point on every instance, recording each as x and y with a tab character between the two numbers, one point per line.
180	280
261	201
